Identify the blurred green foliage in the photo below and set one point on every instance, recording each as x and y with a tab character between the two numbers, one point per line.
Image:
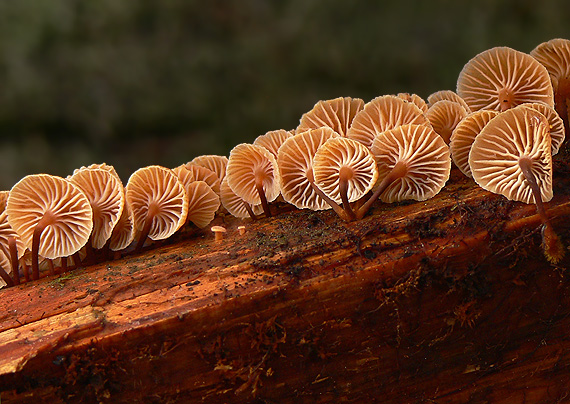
159	82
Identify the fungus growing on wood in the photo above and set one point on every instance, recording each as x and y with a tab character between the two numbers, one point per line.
3	200
212	162
344	170
295	162
512	156
124	232
158	202
381	114
219	232
203	203
200	173
444	116
555	122
449	96
555	56
336	114
252	175
51	215
414	99
413	163
273	140
501	78
235	205
11	250
463	136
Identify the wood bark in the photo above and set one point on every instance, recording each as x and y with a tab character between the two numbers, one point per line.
449	301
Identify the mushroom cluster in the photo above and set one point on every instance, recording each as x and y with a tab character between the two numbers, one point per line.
502	125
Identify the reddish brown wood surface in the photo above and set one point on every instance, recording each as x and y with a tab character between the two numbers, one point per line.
446	301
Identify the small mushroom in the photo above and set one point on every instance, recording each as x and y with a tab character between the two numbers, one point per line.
158	201
200	173
447	95
413	163
203	203
273	140
124	231
241	230
381	114
344	170
252	175
219	232
11	250
336	114
213	162
235	205
414	99
3	200
501	78
555	122
512	156
51	215
444	116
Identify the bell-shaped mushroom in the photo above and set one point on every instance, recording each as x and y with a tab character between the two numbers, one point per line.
501	78
444	116
344	170
336	114
158	202
381	114
51	215
212	162
512	156
413	163
252	175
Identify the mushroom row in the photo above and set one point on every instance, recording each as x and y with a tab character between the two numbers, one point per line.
506	120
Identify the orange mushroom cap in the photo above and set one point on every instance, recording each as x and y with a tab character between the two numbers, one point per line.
124	231
203	203
554	55
200	173
6	232
273	140
447	95
444	116
557	131
213	162
415	99
234	204
336	114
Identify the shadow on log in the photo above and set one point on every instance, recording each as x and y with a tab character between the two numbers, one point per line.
449	300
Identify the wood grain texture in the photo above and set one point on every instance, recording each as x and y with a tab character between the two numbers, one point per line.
444	301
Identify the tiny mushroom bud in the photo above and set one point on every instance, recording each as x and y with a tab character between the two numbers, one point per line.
219	232
241	230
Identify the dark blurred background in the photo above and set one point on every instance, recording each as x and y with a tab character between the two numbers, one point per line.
160	82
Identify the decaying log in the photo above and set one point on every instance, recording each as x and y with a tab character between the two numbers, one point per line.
449	300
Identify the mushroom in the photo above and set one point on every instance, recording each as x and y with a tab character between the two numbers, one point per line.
3	200
200	173
295	162
336	114
344	170
413	163
235	205
512	156
219	232
555	122
555	56
381	114
11	250
203	203
273	140
124	231
463	136
444	116
158	201
414	99
447	95
212	162
252	175
501	78
51	215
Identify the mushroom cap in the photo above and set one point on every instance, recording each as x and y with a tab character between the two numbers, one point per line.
273	140
555	56
102	166
201	173
158	187
557	131
447	95
341	154
381	114
247	164
496	151
213	162
124	231
234	204
501	78
415	99
106	196
295	162
336	114
464	134
3	200
203	203
444	116
41	194
426	157
184	175
6	232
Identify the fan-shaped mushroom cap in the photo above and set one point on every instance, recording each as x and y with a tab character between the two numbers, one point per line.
213	162
464	134
339	157
497	150
156	189
444	116
201	173
273	140
381	114
124	231
425	155
557	132
447	95
101	166
501	78
184	175
415	99
3	200
203	203
60	204
234	204
336	114
6	232
295	162
555	56
106	195
249	165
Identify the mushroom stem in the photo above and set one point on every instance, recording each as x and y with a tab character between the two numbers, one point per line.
151	213
261	192
551	244
343	190
249	210
25	270
339	211
76	260
4	275
63	264
51	267
38	230
14	259
399	170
